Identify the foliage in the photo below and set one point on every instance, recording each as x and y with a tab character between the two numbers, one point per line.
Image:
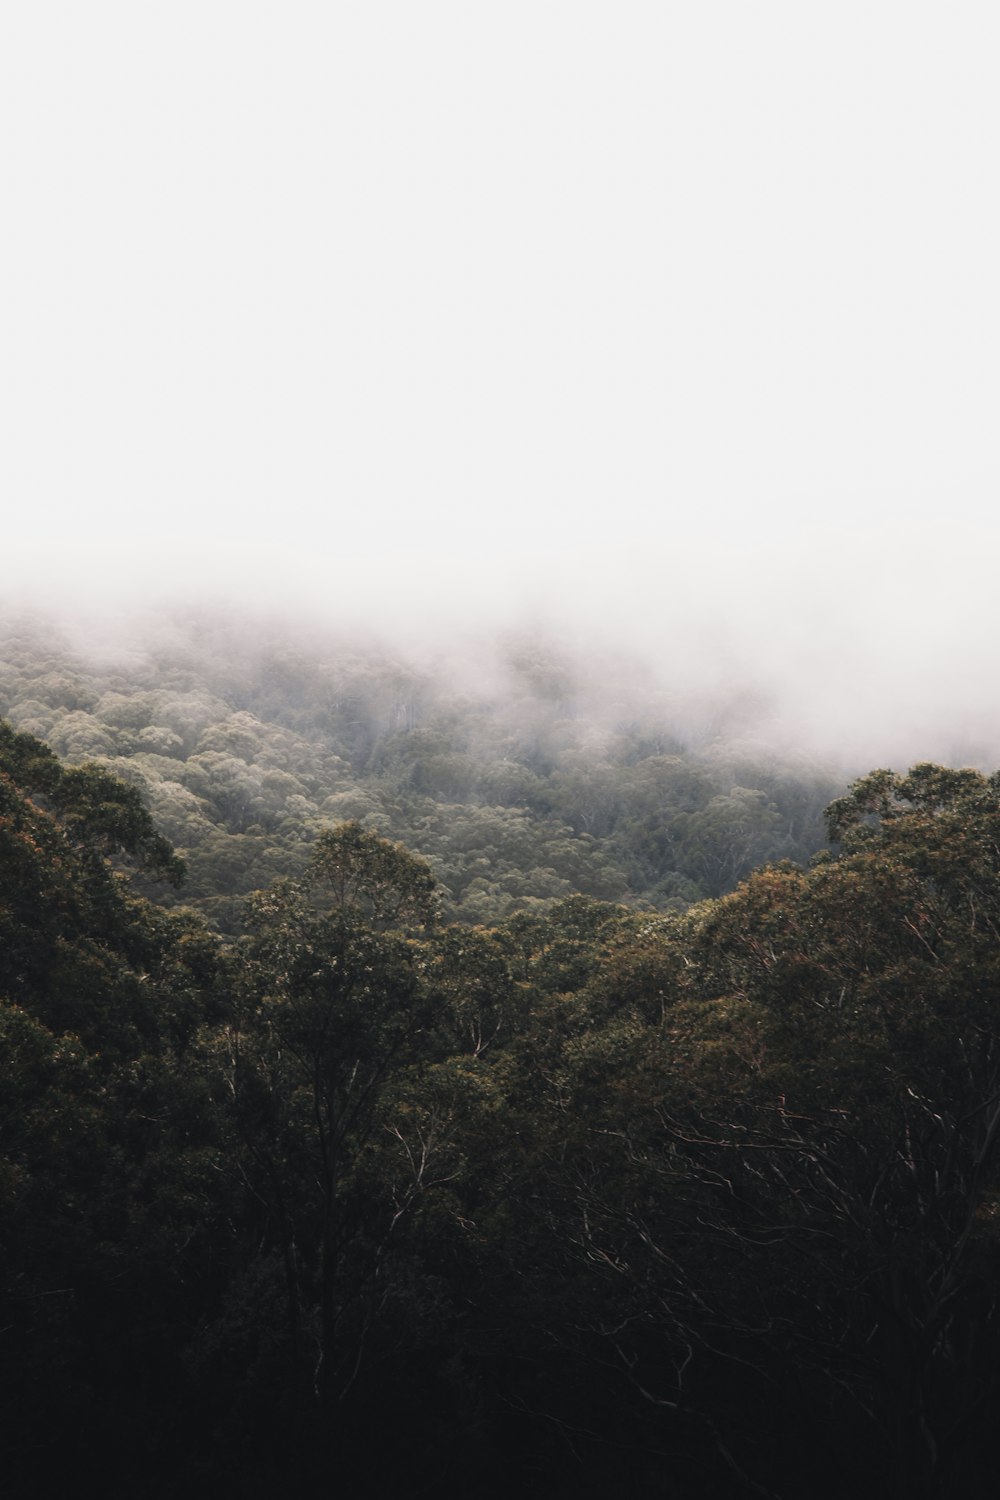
591	1199
383	880
550	774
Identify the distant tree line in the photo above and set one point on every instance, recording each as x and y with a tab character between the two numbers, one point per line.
548	775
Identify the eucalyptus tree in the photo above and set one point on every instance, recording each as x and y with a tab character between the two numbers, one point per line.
332	1009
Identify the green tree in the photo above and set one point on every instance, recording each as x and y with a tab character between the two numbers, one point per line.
332	1011
380	880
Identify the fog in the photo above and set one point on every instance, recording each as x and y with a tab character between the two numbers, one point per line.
663	327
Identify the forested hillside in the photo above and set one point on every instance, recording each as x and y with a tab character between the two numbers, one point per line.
525	773
591	1200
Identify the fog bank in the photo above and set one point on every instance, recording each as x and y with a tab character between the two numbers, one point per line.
860	667
668	329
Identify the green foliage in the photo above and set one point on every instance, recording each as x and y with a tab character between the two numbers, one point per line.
711	1189
391	886
553	774
29	764
94	808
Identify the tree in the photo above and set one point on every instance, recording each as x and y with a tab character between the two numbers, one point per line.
96	809
332	1011
380	880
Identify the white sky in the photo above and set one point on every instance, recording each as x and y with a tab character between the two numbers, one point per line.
684	316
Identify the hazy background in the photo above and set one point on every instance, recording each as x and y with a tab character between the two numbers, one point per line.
673	323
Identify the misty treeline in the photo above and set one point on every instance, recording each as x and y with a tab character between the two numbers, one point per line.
530	773
592	1199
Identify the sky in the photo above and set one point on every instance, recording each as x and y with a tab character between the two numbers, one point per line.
679	321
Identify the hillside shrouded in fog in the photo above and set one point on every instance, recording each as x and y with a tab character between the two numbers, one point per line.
565	1196
525	773
484	489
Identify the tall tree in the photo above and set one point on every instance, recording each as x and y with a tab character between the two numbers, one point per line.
332	1010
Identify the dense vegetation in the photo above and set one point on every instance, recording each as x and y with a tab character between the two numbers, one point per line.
530	775
591	1199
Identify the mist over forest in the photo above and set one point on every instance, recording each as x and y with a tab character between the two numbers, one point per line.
527	767
481	1069
453	1048
500	751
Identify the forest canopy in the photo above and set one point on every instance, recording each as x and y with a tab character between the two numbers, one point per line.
535	774
690	1186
